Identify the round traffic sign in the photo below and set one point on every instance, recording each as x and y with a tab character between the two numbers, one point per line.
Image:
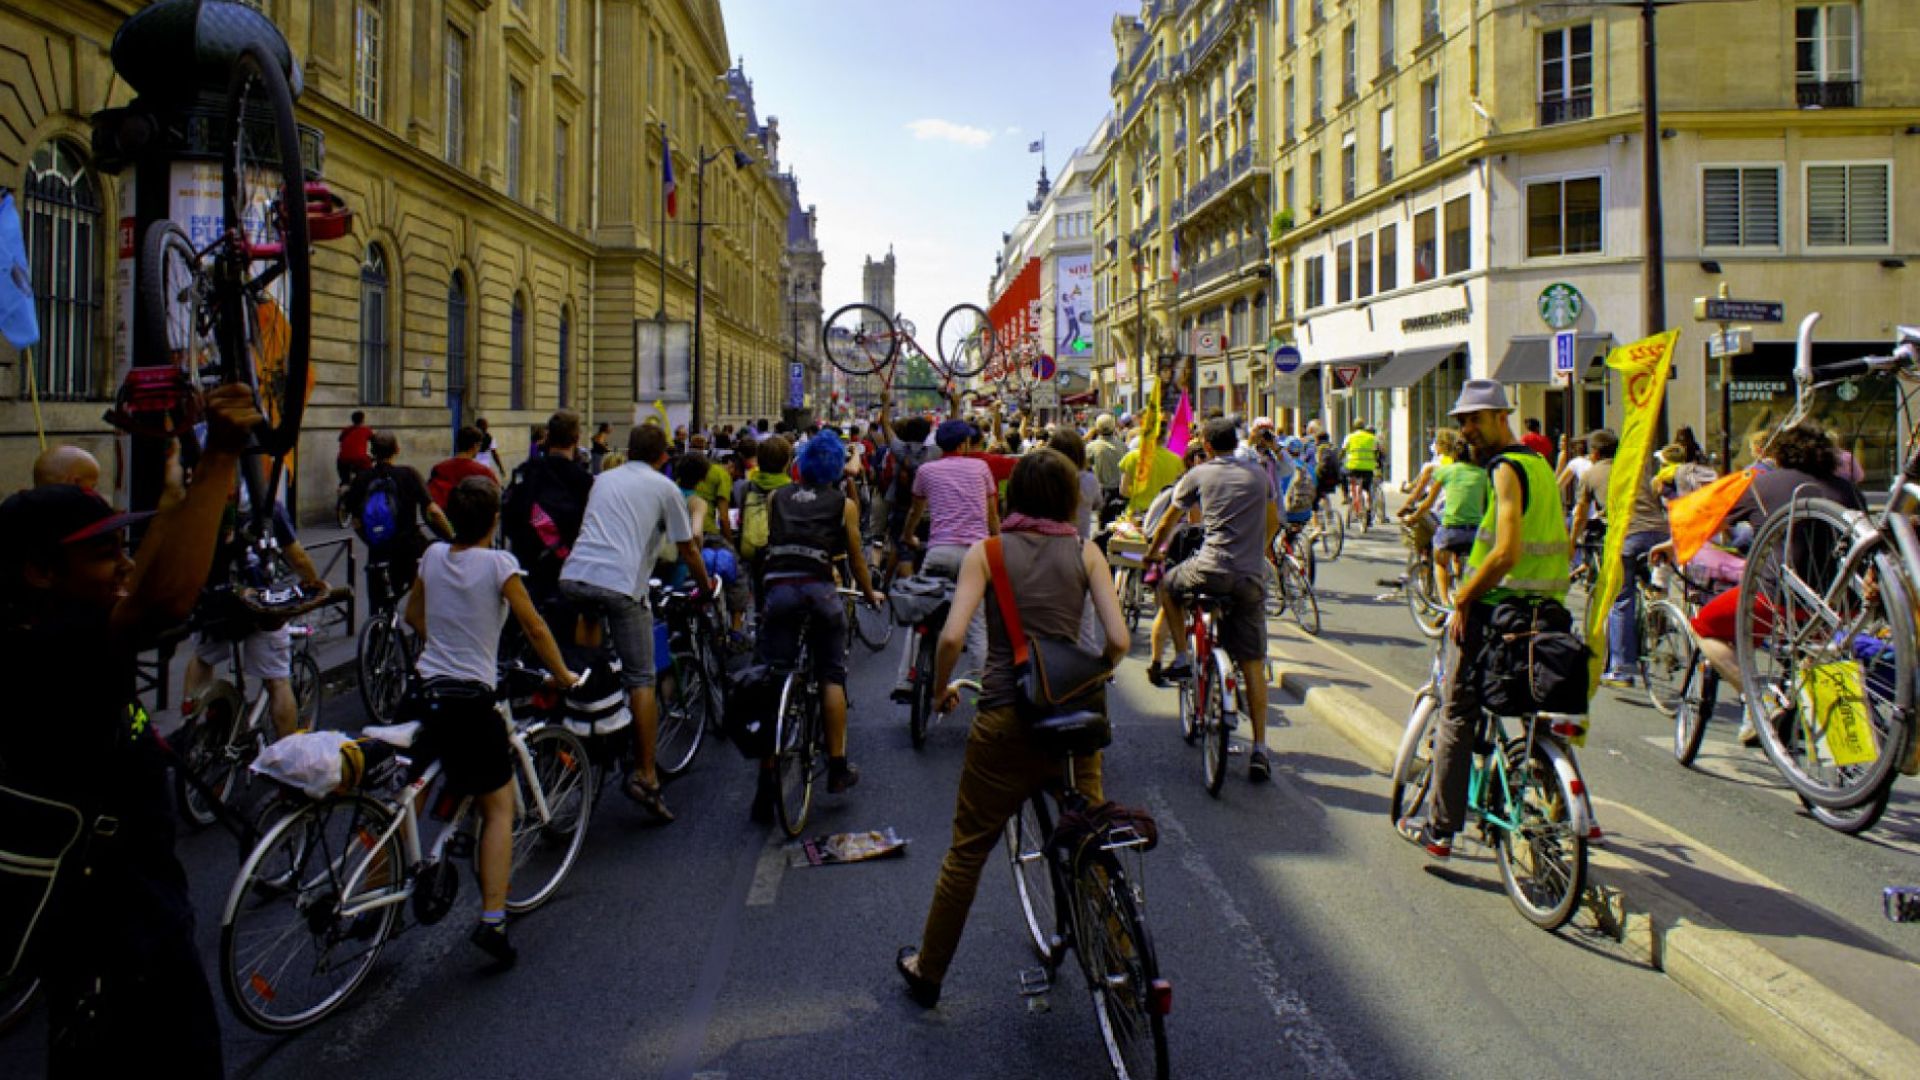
1043	367
1286	360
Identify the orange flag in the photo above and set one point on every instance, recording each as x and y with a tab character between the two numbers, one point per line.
1696	517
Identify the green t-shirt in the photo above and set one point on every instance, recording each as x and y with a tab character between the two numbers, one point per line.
1165	468
1464	486
715	488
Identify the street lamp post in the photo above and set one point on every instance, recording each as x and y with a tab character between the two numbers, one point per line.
700	223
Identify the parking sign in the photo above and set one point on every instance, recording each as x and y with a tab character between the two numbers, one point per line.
1563	354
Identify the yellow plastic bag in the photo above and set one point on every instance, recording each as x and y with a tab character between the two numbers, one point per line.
1836	697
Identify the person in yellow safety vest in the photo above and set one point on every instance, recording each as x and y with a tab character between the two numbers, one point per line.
1520	549
1361	459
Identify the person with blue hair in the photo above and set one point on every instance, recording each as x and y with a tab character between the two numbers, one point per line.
811	526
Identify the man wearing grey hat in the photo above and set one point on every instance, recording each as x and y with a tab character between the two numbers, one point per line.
1520	550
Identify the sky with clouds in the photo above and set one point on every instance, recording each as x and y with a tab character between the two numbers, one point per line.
908	122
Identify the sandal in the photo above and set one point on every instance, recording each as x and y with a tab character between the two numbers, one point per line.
924	991
648	796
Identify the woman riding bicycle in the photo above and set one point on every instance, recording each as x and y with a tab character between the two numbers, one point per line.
1461	486
1053	573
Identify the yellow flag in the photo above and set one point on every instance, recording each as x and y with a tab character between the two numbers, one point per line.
665	421
1149	438
1643	371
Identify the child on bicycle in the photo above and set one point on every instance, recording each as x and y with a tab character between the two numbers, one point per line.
458	607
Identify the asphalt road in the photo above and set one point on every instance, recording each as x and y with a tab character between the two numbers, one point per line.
1302	936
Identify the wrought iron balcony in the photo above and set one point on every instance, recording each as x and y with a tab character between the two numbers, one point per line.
1153	147
1179	138
1827	95
1243	75
1566	110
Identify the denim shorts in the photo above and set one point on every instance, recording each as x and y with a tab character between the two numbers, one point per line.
629	621
1455	538
788	604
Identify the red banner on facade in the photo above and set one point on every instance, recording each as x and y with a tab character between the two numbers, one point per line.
1015	313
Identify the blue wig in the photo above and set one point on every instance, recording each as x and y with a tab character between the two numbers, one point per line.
823	459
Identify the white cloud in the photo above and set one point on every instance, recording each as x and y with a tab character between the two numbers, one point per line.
948	131
1013	129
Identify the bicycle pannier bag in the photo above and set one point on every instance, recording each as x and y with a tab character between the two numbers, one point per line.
919	598
37	836
753	705
1055	676
1534	663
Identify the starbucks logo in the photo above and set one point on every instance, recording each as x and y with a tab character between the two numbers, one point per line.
1561	305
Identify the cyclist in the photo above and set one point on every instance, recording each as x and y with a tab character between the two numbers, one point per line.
1326	463
628	511
1646	529
115	945
1104	452
957	496
1360	458
686	467
714	488
1054	573
465	462
388	501
351	459
1264	451
813	524
1240	519
1186	538
1459	486
1520	549
545	503
466	590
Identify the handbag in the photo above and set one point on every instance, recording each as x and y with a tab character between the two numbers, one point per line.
42	842
1053	676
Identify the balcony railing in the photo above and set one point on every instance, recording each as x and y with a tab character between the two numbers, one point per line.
1242	160
1243	75
1387	62
1827	95
1386	164
1220	179
1179	139
1246	255
1210	35
1153	147
1430	148
1566	110
1177	66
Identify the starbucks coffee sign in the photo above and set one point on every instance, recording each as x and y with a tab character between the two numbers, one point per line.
1561	305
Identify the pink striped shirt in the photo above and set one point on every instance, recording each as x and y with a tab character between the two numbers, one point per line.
956	490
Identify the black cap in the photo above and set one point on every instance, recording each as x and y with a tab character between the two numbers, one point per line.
38	522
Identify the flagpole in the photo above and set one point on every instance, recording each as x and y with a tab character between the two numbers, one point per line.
660	240
33	391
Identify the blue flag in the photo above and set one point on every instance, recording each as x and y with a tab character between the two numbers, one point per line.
19	324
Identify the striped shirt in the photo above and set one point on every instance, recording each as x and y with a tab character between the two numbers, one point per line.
956	490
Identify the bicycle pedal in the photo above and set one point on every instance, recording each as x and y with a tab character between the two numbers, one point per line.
1035	982
1902	903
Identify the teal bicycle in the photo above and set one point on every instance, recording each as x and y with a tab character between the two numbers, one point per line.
1526	797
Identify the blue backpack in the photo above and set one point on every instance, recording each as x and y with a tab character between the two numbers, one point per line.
379	514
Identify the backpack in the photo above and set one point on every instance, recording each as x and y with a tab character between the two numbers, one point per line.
380	511
532	513
754	520
1326	467
1304	491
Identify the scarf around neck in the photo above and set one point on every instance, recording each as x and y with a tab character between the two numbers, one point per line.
1043	526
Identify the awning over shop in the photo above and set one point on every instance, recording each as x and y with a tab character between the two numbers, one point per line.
1409	366
1078	399
1529	359
1365	360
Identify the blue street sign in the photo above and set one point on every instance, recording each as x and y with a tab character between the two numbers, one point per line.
1286	360
1563	353
1044	367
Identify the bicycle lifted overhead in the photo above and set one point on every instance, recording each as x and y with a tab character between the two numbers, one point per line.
861	339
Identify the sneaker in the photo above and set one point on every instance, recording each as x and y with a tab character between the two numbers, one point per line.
1179	671
1616	681
1157	675
841	776
1749	735
492	940
1421	834
1259	769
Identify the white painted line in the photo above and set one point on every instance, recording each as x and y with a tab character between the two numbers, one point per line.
1300	1031
1345	657
766	875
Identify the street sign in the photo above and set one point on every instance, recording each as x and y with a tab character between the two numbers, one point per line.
1563	353
1046	395
1286	391
1206	342
1736	341
1044	367
1286	360
1345	374
1720	309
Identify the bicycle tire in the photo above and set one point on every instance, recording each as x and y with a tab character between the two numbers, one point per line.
1667	654
382	660
874	625
852	341
1276	604
1412	786
1116	955
203	747
18	995
969	349
920	709
1026	834
174	286
1697	694
793	757
1544	868
258	80
1428	616
682	713
545	850
1214	729
262	994
1132	606
1189	711
1777	568
1333	535
1300	597
1854	821
304	678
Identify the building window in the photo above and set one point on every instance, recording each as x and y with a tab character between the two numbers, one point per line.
1319	88
1350	56
1343	272
562	28
1389	254
1826	55
1363	268
1563	218
1286	190
457	335
566	359
1460	234
366	58
1430	119
516	117
1566	74
1287	7
454	124
1426	249
1386	143
517	355
1314	282
1740	207
1316	175
1429	19
60	205
376	350
1847	205
562	137
1387	49
1349	169
1287	112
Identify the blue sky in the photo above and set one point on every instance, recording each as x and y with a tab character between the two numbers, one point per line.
908	121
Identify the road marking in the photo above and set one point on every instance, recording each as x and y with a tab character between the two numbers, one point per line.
766	875
1300	1030
731	907
1346	656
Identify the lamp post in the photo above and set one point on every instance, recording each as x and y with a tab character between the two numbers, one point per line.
700	223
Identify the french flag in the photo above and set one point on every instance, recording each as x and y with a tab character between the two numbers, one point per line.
666	179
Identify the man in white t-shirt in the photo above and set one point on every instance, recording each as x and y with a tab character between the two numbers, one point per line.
628	512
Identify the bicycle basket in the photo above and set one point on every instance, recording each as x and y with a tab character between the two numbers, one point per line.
920	598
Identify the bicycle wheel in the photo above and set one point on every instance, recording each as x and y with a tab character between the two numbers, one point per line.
209	750
794	755
1127	584
1854	821
1216	724
383	667
873	625
964	341
682	696
288	953
263	285
545	848
1116	953
1276	592
1667	655
1300	598
18	994
304	677
1333	534
920	709
1697	693
1189	710
1420	590
859	339
174	286
1027	833
1542	853
1805	609
1413	765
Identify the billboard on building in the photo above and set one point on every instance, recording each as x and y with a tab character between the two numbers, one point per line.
1072	297
1015	313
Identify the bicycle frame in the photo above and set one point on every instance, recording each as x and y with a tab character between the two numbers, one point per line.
1580	814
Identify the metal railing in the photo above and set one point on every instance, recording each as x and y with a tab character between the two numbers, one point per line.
1826	95
1565	110
1179	138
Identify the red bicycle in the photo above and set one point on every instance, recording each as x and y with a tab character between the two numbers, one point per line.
860	339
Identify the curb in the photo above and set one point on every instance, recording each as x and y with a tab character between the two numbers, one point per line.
1798	1019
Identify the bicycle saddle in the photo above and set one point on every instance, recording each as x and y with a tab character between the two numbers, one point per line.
1073	733
396	735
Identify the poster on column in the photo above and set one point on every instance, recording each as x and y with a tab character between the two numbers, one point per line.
1073	285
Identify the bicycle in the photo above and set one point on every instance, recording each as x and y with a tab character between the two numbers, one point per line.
1209	698
1126	553
923	647
1329	531
1419	585
1071	864
224	732
800	735
861	340
338	871
387	648
690	683
1363	504
1825	628
1290	573
1525	794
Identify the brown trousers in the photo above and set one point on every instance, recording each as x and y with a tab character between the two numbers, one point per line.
1002	770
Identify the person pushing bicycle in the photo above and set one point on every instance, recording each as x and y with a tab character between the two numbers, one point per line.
1520	549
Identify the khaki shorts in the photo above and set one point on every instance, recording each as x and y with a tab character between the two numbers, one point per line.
264	654
1242	628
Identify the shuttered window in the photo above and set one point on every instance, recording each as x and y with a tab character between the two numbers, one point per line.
1740	207
1847	205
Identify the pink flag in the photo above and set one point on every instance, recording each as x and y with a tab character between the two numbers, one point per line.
1180	432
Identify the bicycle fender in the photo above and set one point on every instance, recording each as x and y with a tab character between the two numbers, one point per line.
1581	812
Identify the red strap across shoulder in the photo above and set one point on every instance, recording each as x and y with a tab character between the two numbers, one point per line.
1003	590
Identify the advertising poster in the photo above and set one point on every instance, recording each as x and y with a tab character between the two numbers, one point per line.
1073	290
